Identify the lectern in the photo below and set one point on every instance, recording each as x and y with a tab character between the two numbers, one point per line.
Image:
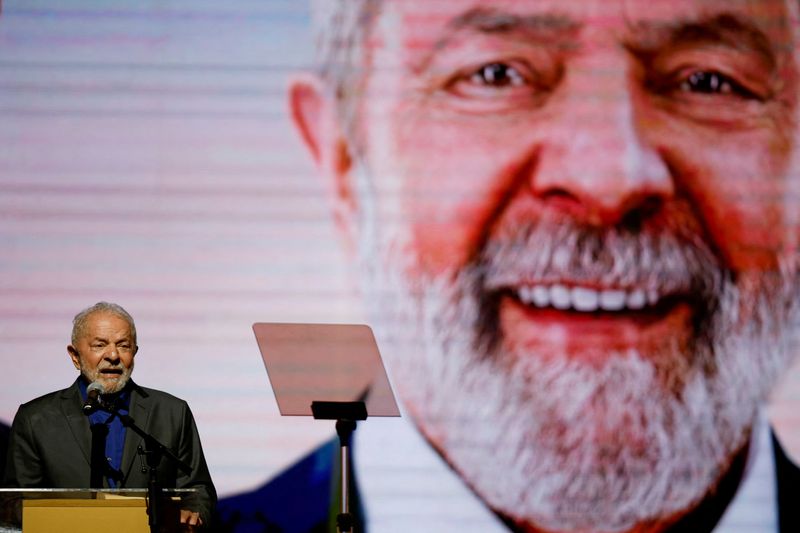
330	372
81	510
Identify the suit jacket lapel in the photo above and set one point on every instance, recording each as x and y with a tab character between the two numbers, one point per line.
788	483
140	413
78	422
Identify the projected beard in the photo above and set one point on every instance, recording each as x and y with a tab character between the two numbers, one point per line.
599	440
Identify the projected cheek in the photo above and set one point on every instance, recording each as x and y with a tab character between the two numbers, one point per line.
448	204
738	203
736	182
436	182
454	176
450	131
721	118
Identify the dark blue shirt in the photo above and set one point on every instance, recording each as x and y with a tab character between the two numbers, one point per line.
115	441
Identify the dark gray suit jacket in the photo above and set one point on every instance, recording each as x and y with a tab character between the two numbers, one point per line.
50	445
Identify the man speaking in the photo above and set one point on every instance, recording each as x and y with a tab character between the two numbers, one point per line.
68	439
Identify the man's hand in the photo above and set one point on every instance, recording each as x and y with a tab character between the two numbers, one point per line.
191	518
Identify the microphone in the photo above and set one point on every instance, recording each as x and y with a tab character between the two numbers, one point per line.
93	391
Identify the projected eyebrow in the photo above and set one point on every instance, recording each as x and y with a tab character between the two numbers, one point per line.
727	30
539	27
542	29
549	28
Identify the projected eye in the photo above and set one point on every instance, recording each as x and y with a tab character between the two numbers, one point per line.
715	89
497	75
710	82
499	86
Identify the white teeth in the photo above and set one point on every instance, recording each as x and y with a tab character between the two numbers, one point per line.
636	299
541	296
585	299
652	297
524	294
612	300
560	297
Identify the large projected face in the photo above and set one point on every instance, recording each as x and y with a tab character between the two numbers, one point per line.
576	222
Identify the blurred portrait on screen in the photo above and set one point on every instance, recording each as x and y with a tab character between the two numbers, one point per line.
575	226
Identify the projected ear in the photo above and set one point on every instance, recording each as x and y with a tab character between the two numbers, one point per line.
313	112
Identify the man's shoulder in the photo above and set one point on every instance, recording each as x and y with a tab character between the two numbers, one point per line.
157	396
46	408
48	399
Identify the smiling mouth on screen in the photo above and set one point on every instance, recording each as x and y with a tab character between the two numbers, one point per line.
586	319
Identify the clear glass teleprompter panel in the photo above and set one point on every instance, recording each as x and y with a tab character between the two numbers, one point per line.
324	363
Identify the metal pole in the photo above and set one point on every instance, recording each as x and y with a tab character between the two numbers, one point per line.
345	507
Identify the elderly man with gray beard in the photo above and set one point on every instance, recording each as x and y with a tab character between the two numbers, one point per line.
576	226
61	440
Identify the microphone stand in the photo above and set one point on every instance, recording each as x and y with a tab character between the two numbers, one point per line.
153	452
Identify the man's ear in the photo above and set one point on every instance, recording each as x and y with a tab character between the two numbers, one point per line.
73	354
313	111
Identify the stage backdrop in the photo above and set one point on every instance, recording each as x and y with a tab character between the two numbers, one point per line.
147	158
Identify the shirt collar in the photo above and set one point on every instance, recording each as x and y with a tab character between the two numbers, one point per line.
753	506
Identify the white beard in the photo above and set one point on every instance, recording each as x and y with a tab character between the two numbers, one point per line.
568	446
109	386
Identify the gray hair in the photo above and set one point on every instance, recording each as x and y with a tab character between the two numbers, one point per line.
341	29
80	320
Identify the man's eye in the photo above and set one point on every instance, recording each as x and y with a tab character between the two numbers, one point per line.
500	86
497	75
710	82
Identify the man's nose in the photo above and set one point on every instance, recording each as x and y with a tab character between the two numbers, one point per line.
112	354
598	165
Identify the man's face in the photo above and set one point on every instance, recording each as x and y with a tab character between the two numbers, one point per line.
105	350
584	219
603	114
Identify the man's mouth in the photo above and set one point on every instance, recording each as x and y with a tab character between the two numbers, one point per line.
587	299
579	317
111	372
